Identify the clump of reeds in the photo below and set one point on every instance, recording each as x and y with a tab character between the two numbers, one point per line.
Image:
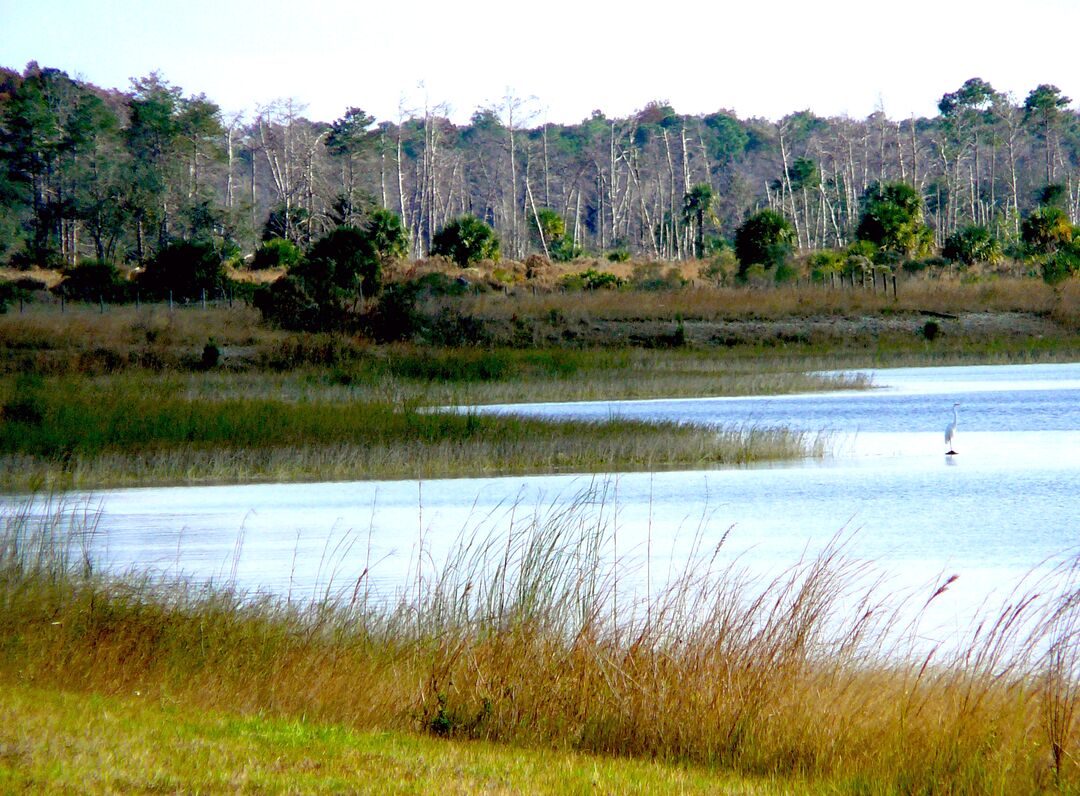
545	633
77	433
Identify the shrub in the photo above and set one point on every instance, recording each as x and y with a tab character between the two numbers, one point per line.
398	314
892	220
720	267
185	269
824	264
565	250
650	276
387	234
916	266
1061	265
466	240
20	290
344	263
94	280
1045	230
286	303
784	272
591	279
765	238
211	355
325	290
972	244
276	253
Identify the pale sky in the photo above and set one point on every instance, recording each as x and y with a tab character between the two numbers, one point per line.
757	58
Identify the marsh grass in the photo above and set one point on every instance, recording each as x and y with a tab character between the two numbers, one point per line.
718	303
553	331
64	433
537	635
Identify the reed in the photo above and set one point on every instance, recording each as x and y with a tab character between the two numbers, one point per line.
75	433
541	635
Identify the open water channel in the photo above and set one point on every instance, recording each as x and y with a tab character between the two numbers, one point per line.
1001	508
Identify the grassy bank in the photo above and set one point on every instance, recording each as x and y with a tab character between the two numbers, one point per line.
67	432
815	680
65	742
558	333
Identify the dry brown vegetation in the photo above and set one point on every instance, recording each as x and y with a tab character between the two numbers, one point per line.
1010	316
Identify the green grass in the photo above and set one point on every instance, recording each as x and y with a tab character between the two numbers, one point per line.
63	742
72	432
528	638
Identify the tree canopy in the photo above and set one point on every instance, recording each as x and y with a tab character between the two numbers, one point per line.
118	176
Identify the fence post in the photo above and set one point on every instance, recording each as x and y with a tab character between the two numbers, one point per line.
101	304
63	296
894	286
170	299
204	298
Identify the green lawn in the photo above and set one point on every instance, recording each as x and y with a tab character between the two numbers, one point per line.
64	742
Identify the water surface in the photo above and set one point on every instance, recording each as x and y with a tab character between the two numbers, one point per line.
1003	506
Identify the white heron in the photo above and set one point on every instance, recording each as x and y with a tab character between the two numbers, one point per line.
950	432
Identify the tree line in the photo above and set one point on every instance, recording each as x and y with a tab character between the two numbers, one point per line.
121	176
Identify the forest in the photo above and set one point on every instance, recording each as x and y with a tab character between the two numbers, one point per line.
115	176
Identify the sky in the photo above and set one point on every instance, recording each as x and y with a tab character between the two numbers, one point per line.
562	59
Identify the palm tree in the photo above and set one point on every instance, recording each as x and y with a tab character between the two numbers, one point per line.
697	204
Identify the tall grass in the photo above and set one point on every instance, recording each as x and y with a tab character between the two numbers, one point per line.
719	303
541	634
74	433
551	328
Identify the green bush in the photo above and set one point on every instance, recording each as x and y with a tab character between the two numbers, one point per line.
466	240
565	250
1061	265
325	290
591	279
766	238
276	253
972	244
184	270
824	264
398	314
1045	230
92	281
22	289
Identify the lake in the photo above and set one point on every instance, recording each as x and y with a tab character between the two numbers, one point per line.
998	510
